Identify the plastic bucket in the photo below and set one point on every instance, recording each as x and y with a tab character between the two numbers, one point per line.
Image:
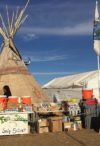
91	102
3	101
73	100
87	93
26	100
13	99
2	98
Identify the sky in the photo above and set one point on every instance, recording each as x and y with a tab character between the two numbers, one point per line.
57	36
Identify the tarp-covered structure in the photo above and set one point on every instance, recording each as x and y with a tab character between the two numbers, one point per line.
71	86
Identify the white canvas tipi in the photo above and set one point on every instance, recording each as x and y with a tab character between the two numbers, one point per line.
13	71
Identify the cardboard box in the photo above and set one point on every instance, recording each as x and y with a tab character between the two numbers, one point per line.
43	122
79	124
55	126
43	129
29	129
67	125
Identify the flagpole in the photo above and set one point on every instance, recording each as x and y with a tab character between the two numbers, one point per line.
96	43
98	61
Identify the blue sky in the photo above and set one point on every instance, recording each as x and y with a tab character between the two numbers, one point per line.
57	36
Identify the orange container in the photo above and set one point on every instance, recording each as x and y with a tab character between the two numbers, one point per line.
13	99
26	100
3	101
3	98
87	93
91	102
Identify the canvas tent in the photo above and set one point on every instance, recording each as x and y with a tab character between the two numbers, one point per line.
71	86
13	71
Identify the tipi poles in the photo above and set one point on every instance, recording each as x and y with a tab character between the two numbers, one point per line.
8	20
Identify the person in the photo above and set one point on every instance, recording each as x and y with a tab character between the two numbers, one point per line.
54	98
7	91
82	113
88	112
65	106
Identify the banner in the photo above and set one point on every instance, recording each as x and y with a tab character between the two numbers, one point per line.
13	124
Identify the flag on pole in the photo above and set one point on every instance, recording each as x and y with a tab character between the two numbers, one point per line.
96	12
96	31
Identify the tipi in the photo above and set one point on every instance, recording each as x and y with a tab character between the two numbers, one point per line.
13	71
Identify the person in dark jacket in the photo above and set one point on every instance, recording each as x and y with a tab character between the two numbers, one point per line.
7	91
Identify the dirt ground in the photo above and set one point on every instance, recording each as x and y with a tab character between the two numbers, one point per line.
77	138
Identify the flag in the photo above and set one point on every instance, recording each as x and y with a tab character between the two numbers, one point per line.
96	31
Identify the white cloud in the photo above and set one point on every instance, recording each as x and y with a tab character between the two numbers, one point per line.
51	73
77	29
29	37
48	58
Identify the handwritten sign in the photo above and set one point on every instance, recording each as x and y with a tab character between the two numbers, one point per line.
14	124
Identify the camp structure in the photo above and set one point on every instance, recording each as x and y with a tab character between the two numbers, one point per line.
71	86
13	71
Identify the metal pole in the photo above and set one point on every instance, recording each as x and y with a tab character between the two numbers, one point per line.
98	60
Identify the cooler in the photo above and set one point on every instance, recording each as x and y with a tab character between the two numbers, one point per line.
13	99
26	100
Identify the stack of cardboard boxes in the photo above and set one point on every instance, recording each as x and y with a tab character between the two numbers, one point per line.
53	124
58	123
42	126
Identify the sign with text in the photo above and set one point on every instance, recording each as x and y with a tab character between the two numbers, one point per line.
14	124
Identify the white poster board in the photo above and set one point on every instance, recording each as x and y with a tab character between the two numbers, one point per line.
13	124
